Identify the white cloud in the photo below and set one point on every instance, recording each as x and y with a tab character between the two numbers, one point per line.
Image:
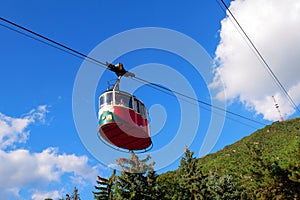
40	195
273	26
14	130
56	164
21	168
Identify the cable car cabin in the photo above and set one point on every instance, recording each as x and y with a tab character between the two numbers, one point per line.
123	121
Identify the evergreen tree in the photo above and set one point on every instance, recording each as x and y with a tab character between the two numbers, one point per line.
74	196
137	180
222	187
192	180
168	185
135	165
104	187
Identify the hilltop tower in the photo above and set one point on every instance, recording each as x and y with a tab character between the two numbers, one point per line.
278	110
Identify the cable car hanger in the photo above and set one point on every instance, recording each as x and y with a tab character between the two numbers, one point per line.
119	70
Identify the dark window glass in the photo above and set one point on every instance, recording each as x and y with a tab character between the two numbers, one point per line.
137	105
101	101
142	108
108	98
105	99
130	103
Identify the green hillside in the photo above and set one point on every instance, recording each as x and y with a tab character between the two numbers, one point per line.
263	165
277	142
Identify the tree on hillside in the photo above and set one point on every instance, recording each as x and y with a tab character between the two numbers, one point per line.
222	187
268	180
192	180
104	187
137	179
168	184
135	165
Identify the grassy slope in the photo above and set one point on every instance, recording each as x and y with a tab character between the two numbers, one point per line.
279	141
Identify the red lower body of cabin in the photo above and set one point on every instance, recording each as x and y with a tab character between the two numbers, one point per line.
127	130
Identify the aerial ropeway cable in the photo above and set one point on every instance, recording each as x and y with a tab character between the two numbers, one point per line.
118	69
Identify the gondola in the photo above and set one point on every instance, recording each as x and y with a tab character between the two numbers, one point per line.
123	118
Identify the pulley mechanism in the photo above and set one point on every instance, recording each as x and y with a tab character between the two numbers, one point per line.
119	70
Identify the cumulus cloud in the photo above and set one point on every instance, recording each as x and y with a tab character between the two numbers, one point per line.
39	195
14	130
273	26
21	168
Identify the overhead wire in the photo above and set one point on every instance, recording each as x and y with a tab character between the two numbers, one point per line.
201	102
170	93
39	40
52	41
78	54
259	55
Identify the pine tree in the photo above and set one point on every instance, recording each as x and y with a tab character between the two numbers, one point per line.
192	180
104	187
168	185
222	187
74	196
134	164
137	180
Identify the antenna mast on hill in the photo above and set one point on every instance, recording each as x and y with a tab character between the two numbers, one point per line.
278	110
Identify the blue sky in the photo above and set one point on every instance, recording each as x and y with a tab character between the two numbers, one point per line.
46	154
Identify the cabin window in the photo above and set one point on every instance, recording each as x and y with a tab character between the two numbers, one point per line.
101	101
105	99
137	105
142	109
130	103
108	98
123	100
